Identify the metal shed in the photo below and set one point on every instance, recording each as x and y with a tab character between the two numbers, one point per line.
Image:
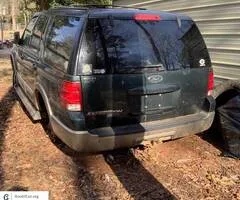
219	22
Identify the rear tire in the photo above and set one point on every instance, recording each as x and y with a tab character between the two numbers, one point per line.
44	114
46	124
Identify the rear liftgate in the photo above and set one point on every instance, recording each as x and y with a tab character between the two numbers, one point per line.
142	69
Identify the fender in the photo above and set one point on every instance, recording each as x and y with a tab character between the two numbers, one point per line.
13	56
13	61
41	90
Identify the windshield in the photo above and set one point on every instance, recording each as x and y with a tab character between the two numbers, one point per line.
119	45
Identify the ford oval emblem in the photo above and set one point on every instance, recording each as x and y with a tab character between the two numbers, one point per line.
155	79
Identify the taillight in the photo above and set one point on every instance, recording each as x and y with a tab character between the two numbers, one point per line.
71	96
210	83
146	17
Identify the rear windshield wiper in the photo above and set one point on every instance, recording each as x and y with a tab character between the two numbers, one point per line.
159	66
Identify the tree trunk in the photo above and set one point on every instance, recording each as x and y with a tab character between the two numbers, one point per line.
13	14
25	19
43	4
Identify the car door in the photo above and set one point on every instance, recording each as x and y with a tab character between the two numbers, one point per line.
32	54
22	58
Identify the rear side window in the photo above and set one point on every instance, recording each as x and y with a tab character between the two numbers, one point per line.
60	41
121	45
38	32
28	31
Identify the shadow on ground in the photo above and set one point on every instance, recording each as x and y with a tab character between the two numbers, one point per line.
138	181
213	138
135	178
18	188
6	104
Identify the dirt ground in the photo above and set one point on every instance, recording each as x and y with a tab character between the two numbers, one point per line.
30	159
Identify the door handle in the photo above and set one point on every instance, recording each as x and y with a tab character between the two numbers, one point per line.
34	66
153	89
22	56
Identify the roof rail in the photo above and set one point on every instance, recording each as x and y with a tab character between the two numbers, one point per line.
90	6
67	7
120	6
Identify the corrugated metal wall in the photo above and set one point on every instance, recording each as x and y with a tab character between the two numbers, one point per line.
219	22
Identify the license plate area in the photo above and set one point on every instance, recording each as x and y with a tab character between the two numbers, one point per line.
153	103
161	102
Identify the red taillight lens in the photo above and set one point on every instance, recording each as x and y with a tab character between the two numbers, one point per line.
146	17
210	83
71	96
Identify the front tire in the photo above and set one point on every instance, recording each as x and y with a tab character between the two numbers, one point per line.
14	75
14	79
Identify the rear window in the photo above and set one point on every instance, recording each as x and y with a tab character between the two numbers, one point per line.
112	45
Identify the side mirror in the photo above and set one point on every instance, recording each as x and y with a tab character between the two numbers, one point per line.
16	39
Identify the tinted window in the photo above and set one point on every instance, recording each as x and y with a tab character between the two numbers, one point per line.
60	41
93	52
120	45
38	32
28	31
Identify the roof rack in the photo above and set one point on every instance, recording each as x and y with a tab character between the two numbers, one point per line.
90	6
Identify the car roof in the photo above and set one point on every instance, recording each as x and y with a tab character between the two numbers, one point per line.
129	13
114	12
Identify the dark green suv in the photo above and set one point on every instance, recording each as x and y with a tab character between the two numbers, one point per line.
108	78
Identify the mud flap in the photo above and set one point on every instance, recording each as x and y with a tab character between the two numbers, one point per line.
229	124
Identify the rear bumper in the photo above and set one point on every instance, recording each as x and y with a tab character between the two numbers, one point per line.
168	129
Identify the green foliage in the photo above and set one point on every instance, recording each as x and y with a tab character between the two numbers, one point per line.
39	5
28	7
100	2
54	3
20	19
